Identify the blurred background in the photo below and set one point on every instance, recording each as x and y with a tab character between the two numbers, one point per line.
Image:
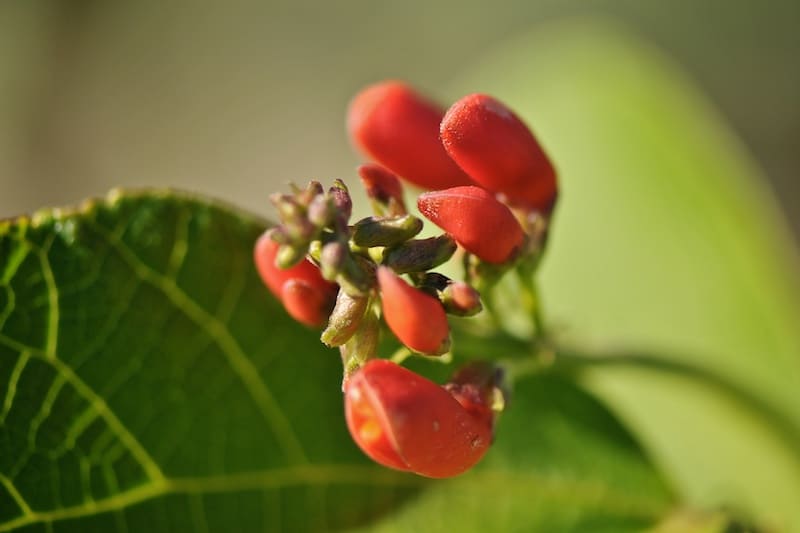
670	122
236	98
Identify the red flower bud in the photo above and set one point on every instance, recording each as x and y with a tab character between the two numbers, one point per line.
416	318
406	422
308	298
306	304
384	187
399	129
499	152
476	220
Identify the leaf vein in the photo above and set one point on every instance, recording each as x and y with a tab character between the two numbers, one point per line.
15	495
102	409
237	359
11	392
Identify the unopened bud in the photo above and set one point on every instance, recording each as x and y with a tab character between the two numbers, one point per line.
288	256
344	319
341	200
357	276
374	231
491	144
307	285
477	220
431	282
311	191
332	259
384	189
300	230
399	128
362	346
419	255
304	303
321	211
287	206
460	299
416	318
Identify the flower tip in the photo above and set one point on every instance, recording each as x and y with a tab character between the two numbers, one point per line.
381	184
476	220
416	318
399	128
497	150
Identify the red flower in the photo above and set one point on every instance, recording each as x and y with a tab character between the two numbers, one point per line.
406	422
476	220
399	129
499	152
307	297
416	318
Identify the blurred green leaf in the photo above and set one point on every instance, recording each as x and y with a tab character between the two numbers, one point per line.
148	382
665	239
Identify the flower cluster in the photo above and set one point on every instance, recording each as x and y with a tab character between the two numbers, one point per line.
490	188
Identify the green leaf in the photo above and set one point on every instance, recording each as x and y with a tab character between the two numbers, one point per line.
665	240
149	382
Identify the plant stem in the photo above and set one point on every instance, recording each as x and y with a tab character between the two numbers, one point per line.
575	364
531	301
400	355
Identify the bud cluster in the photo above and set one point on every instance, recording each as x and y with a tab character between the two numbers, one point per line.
491	189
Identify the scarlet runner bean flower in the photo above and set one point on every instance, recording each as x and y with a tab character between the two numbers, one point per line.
399	128
399	418
307	297
497	150
476	220
406	422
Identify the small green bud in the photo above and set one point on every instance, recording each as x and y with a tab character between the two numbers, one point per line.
363	345
374	231
332	259
420	255
288	256
321	211
344	319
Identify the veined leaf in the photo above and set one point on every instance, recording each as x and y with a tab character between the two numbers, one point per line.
149	382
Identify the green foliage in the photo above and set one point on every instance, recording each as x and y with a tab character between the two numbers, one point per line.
148	381
664	241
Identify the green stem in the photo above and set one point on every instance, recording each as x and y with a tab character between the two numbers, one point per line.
400	355
531	301
576	364
522	358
